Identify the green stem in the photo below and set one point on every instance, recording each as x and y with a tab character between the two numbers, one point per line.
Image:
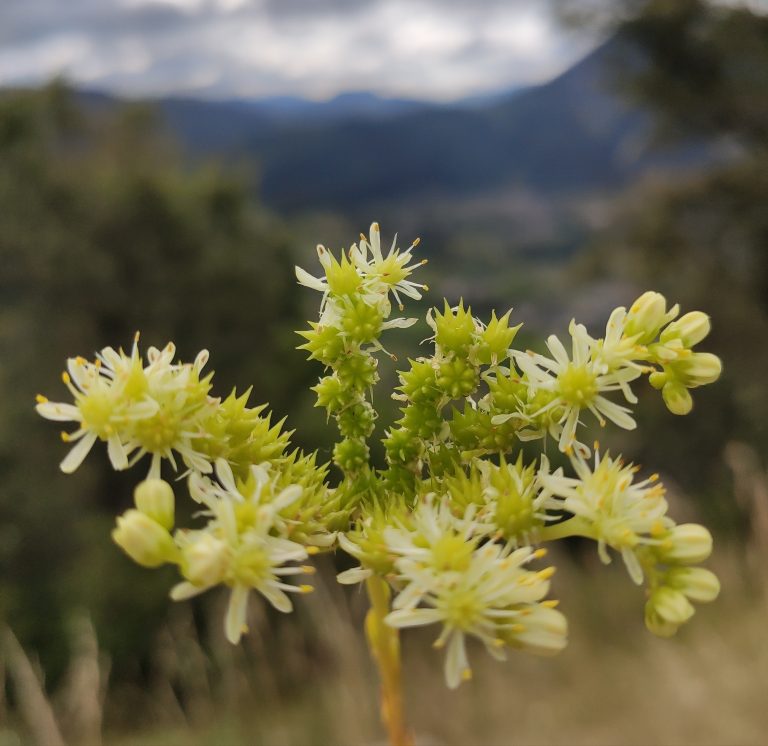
384	643
575	526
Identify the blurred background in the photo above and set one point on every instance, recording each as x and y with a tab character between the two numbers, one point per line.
165	163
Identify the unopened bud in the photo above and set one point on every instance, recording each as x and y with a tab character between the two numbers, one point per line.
699	369
143	539
688	544
646	316
677	398
696	583
690	329
656	624
671	605
154	498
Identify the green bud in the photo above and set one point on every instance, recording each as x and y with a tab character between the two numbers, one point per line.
144	540
357	371
351	454
677	398
457	378
507	393
324	343
690	329
205	561
154	498
671	605
656	624
422	420
402	446
330	393
496	339
361	323
418	383
696	583
357	421
688	544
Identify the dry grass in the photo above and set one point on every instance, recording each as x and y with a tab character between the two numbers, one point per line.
307	680
615	684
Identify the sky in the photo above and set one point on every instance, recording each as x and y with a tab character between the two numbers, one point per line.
428	49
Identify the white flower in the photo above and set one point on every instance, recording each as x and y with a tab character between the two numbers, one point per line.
487	594
238	548
618	512
390	272
578	382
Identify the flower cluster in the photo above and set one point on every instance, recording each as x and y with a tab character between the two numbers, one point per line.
451	527
354	312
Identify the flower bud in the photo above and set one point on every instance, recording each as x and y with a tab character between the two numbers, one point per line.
688	544
699	369
154	498
656	625
677	398
143	539
690	329
671	605
695	582
646	316
205	561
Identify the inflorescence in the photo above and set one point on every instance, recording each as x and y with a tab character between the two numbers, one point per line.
456	521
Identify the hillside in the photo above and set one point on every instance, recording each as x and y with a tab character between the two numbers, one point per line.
575	133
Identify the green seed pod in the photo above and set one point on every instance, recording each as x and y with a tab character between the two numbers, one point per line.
357	421
457	378
351	454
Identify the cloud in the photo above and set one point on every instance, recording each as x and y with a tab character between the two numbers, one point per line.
438	49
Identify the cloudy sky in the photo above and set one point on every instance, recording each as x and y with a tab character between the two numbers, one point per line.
437	49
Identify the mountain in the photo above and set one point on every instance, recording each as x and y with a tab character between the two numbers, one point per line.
577	133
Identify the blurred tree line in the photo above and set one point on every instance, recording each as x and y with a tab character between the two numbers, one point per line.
105	231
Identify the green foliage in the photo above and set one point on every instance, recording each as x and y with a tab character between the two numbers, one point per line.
103	231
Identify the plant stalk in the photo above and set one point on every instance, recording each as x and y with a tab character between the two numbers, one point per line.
384	643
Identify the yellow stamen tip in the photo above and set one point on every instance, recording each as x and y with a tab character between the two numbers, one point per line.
306	588
375	227
466	674
65	377
65	436
551	603
438	644
311	551
40	399
498	643
308	569
80	360
546	573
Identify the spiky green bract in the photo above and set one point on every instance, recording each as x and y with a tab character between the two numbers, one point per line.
455	329
241	435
